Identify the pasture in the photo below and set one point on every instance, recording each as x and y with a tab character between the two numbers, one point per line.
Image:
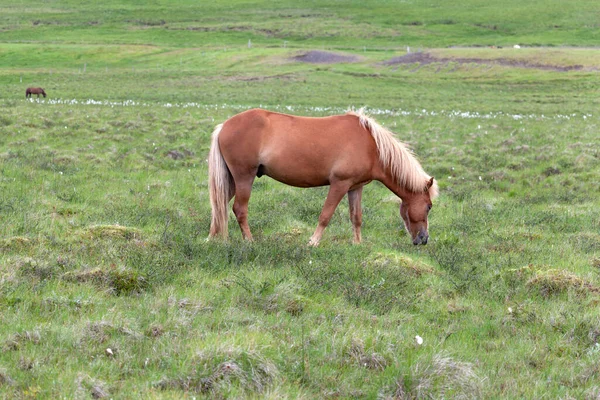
108	287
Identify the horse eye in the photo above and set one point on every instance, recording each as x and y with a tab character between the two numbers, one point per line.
429	207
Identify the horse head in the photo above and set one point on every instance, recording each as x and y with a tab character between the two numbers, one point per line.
414	210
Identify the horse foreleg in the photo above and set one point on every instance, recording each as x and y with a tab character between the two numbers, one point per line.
240	205
354	199
335	195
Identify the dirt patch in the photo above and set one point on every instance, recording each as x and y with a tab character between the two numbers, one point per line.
324	57
426	58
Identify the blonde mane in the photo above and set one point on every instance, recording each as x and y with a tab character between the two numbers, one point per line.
393	154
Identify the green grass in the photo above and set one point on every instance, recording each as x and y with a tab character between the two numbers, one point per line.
104	207
331	23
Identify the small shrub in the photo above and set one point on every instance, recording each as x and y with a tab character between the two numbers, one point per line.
461	264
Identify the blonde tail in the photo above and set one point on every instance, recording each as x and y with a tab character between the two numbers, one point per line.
221	187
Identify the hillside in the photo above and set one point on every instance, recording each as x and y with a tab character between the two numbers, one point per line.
108	288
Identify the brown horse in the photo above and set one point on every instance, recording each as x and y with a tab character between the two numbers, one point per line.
344	151
34	90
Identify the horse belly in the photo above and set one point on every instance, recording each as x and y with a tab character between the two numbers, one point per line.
297	171
302	165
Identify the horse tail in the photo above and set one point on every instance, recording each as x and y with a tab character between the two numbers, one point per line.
43	92
27	93
221	187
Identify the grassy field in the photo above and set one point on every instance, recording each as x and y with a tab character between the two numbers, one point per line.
109	289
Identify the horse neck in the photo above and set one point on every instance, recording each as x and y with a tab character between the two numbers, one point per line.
391	183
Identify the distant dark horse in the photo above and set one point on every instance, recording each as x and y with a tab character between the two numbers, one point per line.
34	90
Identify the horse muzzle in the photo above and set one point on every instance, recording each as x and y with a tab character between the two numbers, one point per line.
421	238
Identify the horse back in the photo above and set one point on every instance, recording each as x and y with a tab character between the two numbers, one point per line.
300	151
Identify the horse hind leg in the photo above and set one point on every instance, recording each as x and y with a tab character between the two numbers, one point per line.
243	188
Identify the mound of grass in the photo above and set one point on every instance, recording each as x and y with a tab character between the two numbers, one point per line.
111	232
102	331
549	281
5	379
15	243
268	296
556	281
357	354
88	386
30	267
224	373
404	263
438	377
15	341
120	281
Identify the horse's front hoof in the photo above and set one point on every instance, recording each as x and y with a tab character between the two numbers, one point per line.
313	242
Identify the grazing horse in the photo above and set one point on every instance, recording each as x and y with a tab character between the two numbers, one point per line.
34	90
343	151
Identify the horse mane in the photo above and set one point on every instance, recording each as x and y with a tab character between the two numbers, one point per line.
395	155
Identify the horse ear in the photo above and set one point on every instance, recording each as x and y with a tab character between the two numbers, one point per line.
430	183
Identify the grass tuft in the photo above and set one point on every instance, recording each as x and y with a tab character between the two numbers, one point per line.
268	296
403	262
440	377
15	243
102	331
120	281
556	281
28	266
220	373
365	359
18	339
88	386
5	379
112	231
